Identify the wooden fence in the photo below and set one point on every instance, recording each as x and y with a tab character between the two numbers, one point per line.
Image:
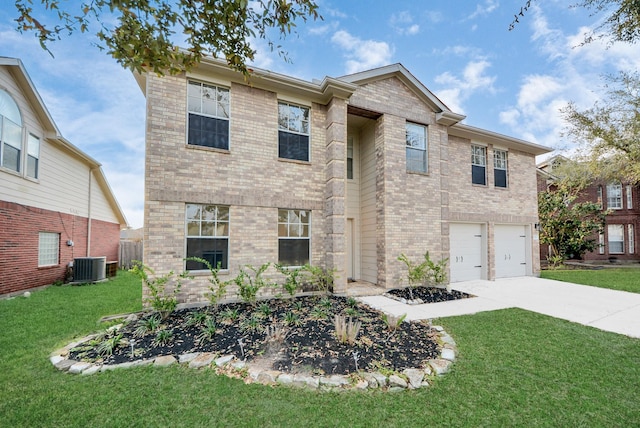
130	251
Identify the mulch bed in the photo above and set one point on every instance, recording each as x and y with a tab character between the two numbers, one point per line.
428	294
294	335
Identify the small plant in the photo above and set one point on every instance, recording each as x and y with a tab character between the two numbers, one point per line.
160	299
197	318
297	305
208	330
163	337
147	325
264	310
291	318
427	272
352	302
319	313
325	302
229	315
393	322
218	288
352	312
252	323
249	285
275	333
346	331
292	278
109	343
319	278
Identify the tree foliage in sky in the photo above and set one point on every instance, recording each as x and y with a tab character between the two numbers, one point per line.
610	130
621	23
168	36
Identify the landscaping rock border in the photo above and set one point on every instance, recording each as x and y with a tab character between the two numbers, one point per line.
231	366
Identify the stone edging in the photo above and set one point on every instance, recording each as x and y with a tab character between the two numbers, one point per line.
231	366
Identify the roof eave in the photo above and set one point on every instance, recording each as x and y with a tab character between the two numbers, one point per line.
482	135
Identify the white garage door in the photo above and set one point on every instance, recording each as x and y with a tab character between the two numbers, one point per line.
465	256
511	251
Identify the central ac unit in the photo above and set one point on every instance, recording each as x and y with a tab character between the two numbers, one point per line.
89	269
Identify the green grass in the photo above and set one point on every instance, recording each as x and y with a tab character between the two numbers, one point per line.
515	368
624	279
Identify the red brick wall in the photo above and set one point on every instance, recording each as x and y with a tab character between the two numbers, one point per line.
19	234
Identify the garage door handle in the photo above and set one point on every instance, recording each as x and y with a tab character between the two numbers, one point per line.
523	263
478	266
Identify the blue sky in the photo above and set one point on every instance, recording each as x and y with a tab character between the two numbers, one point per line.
511	82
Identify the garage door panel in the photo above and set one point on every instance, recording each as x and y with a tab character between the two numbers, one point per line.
510	251
465	258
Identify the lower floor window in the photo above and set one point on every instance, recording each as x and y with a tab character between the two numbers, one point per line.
207	230
616	238
632	241
293	237
48	249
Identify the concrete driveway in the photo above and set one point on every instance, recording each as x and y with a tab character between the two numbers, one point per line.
609	310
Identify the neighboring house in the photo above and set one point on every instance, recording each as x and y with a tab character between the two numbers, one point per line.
619	241
346	173
55	203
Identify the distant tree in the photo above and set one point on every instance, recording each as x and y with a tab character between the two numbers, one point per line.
569	227
145	34
610	130
622	24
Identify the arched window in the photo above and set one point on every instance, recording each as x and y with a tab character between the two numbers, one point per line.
10	133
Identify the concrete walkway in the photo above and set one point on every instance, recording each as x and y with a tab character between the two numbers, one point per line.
609	310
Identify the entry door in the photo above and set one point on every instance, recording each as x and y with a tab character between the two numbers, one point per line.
465	255
511	250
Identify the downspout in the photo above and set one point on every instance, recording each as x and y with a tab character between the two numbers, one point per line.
89	215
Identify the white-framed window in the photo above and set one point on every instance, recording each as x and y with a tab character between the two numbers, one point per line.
293	131
616	238
500	168
629	197
631	237
601	243
416	142
294	228
207	231
600	196
33	156
48	249
614	196
350	158
479	165
208	109
10	133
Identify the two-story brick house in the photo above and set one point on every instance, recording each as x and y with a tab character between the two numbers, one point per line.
618	242
346	173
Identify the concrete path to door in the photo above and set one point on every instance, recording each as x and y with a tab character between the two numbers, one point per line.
609	310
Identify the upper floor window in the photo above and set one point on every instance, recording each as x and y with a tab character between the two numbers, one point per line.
10	133
33	156
207	230
614	196
479	165
600	196
293	237
208	107
500	168
350	158
416	137
293	132
629	197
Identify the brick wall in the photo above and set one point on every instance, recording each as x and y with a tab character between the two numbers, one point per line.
249	178
19	236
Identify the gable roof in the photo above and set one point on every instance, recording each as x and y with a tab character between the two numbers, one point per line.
444	115
52	133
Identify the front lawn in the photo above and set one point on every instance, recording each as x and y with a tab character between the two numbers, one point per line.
515	368
624	279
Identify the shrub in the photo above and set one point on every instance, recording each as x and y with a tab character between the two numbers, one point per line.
160	300
218	288
249	285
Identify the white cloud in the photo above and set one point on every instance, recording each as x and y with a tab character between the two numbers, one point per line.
575	74
484	9
402	23
362	54
457	89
